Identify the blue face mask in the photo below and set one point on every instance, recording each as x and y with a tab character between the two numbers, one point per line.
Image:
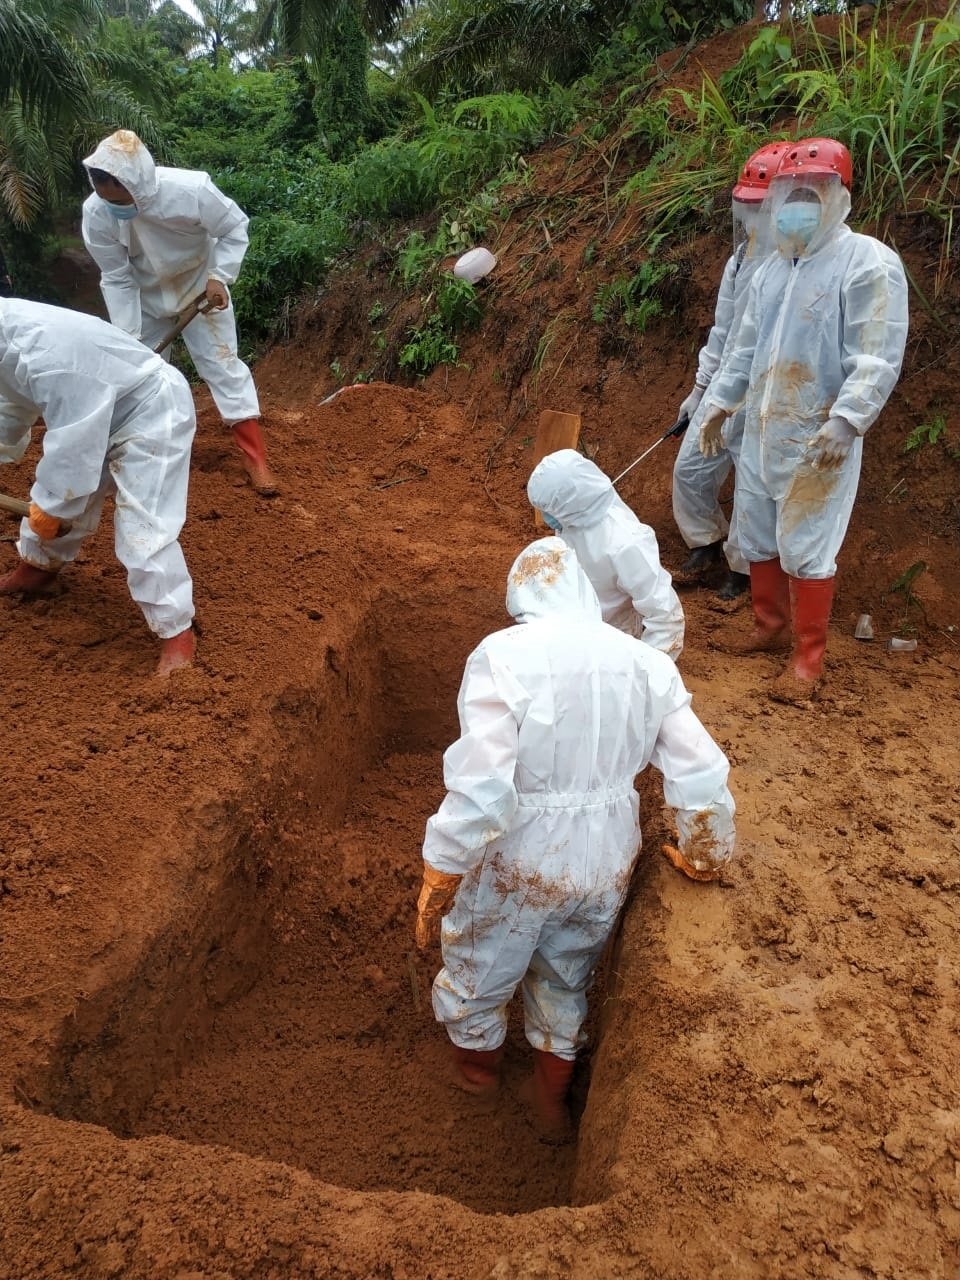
122	212
798	221
551	523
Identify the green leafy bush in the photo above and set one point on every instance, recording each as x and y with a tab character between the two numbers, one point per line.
892	96
458	305
390	181
284	257
427	346
635	300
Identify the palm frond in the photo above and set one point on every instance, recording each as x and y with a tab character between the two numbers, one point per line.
502	44
36	65
305	26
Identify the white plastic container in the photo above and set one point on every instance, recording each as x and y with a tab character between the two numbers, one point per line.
474	265
897	645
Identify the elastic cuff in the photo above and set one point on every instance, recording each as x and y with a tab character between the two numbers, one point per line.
482	1043
538	1039
167	630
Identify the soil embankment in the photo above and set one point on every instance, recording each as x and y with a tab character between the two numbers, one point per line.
212	1059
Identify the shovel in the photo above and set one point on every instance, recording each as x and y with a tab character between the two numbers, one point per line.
197	307
555	430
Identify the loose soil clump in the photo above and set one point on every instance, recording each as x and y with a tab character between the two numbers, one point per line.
212	1059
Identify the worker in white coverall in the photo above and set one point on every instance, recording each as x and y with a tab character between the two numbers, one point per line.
118	421
617	552
161	238
529	856
697	480
818	353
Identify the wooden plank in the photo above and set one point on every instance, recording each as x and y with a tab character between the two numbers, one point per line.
555	430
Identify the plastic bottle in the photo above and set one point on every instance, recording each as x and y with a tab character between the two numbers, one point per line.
474	265
897	645
864	628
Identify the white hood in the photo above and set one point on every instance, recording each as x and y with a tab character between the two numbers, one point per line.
125	158
571	488
547	579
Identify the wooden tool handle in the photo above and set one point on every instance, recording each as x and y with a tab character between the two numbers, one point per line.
196	308
14	505
19	508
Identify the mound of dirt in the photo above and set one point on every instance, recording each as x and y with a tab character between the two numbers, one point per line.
208	893
217	1057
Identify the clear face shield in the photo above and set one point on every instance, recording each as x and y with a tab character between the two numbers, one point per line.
803	209
752	235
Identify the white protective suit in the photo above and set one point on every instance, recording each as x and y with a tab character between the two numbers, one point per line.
822	336
186	232
697	480
557	717
619	555
118	421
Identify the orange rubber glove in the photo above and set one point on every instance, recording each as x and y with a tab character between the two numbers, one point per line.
217	295
676	858
45	527
436	898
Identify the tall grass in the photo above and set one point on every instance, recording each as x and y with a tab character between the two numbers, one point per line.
896	105
893	99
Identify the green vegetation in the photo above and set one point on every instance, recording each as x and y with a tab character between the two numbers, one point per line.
329	122
638	299
454	308
931	433
894	103
902	586
926	433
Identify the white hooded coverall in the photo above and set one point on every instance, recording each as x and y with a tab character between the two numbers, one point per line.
697	480
557	717
186	232
618	553
118	420
822	336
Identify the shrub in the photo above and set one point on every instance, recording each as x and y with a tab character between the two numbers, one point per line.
428	346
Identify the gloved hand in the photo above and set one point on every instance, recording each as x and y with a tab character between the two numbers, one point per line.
676	858
45	527
711	430
689	406
832	444
217	295
436	898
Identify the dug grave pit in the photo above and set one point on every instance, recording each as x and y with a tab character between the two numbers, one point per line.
285	1014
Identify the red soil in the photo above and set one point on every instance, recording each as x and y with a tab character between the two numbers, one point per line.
211	1060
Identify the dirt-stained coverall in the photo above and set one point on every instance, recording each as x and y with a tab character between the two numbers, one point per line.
558	715
185	233
118	421
822	337
617	552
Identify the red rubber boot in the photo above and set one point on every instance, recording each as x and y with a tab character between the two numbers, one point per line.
770	596
250	442
28	580
176	652
551	1083
477	1071
810	600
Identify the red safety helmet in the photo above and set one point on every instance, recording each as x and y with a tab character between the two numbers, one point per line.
756	173
817	156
